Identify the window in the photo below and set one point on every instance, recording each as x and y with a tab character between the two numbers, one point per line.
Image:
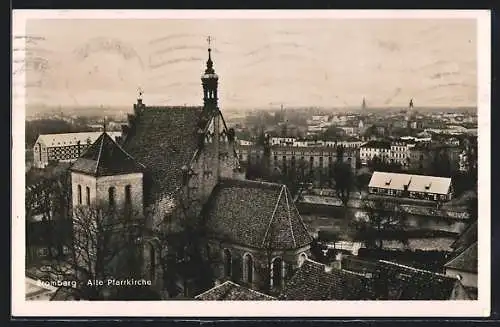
248	268
227	263
302	258
111	197
276	273
88	195
79	194
128	195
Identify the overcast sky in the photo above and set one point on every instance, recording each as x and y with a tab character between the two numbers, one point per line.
261	63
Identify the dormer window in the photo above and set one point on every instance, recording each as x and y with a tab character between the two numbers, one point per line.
388	182
428	186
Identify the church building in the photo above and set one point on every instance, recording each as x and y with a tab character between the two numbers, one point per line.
172	160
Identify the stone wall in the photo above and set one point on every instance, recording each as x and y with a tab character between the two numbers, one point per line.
261	260
119	182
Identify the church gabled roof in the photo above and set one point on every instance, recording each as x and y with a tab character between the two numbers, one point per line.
465	261
255	214
164	139
466	238
106	158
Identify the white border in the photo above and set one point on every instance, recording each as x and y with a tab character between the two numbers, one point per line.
481	307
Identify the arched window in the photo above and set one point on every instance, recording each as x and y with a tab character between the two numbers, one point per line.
128	195
79	194
88	195
276	273
227	263
248	268
302	258
111	197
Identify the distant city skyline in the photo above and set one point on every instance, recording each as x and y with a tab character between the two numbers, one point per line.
261	63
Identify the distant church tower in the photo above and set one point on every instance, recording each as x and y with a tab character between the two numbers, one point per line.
363	105
409	111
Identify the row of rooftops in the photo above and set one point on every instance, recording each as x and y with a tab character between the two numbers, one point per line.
71	139
314	281
410	183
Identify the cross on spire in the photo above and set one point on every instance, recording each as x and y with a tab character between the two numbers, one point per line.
141	92
210	63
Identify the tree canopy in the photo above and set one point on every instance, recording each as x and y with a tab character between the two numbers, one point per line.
380	220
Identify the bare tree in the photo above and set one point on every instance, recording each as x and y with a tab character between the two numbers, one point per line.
106	246
186	260
380	220
50	199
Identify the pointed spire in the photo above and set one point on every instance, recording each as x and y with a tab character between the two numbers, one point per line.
209	81
411	103
210	64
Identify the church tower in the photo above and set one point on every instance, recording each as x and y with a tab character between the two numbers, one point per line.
107	193
210	82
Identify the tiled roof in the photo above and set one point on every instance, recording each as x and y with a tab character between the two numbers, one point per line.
105	158
408	283
465	261
164	139
312	282
466	238
415	183
394	281
34	289
256	214
67	139
229	291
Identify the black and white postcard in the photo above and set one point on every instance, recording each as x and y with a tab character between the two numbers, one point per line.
233	163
